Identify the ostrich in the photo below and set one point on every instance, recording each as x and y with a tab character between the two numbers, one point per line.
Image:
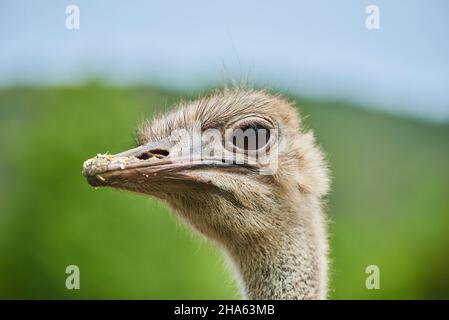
268	219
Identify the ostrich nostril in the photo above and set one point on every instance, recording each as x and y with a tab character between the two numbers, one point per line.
144	156
158	153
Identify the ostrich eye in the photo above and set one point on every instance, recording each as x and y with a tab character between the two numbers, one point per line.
251	137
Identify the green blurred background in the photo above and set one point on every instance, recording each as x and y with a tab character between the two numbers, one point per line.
389	205
377	99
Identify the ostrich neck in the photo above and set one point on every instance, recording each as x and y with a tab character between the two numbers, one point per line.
291	264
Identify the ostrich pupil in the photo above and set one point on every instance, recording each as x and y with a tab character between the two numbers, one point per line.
251	137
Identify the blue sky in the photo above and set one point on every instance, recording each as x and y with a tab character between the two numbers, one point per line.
315	48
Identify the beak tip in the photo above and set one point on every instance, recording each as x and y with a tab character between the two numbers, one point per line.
88	168
90	172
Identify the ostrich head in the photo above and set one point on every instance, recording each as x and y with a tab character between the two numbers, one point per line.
239	168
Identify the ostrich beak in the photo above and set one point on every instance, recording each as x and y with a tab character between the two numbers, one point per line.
152	161
128	166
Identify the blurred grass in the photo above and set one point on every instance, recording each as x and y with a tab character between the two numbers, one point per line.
389	204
